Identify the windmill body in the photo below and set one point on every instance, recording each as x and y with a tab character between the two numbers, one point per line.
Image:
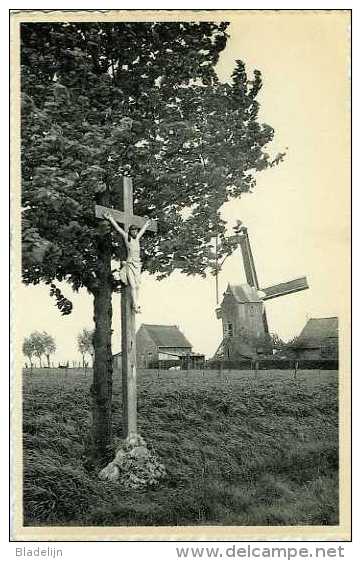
243	313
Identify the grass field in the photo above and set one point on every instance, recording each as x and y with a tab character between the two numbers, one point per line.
240	448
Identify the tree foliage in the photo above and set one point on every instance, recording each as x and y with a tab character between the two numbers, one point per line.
49	346
277	342
85	342
28	349
285	347
39	344
104	99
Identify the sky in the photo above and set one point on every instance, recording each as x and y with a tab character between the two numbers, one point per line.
298	216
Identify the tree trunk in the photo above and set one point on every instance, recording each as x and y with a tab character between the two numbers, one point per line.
48	359
101	390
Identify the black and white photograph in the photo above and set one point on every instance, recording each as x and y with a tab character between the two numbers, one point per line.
180	204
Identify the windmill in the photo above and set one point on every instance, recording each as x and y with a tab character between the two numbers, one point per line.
243	314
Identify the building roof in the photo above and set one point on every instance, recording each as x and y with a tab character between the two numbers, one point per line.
317	331
243	293
166	335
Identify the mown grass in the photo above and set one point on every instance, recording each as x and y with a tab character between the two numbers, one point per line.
240	449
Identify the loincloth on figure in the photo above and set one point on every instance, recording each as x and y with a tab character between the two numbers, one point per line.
130	273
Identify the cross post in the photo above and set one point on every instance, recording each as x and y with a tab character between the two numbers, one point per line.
129	356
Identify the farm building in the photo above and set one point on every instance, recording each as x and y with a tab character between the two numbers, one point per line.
193	361
156	343
318	339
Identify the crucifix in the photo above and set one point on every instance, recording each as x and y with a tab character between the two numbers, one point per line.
129	358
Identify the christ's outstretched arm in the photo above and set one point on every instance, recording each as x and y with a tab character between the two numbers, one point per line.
119	229
143	228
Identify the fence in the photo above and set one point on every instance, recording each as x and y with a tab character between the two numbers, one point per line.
273	364
261	364
163	364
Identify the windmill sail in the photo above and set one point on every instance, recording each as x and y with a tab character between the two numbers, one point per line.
248	262
284	288
250	268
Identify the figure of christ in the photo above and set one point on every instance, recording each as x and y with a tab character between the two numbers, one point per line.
130	272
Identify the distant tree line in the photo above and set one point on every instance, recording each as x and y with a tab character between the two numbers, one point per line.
39	345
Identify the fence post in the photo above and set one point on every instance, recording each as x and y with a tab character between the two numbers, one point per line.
296	368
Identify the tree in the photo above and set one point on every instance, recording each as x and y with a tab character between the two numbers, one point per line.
28	349
49	346
291	346
277	343
291	342
85	343
287	348
37	342
104	99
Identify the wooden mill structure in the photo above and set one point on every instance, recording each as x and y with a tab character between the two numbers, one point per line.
243	313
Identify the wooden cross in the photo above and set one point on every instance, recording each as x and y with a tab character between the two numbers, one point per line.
129	357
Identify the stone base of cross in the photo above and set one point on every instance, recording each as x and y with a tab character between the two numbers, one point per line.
129	360
134	466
